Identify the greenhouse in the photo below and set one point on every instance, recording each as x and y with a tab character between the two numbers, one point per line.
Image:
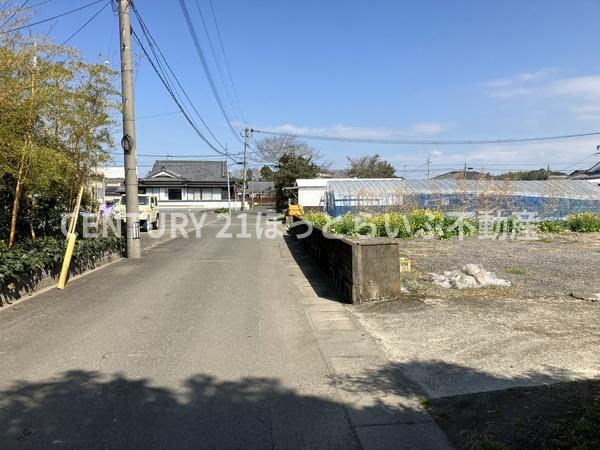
547	199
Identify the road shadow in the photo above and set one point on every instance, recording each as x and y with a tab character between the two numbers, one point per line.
91	409
316	278
436	379
549	408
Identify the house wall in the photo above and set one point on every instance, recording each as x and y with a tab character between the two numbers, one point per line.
184	204
311	195
193	198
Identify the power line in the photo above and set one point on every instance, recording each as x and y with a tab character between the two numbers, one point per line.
237	99
432	142
154	44
86	23
173	96
14	13
168	155
580	161
200	52
51	18
214	55
150	116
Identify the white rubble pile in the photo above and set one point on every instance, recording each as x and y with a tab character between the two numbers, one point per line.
470	276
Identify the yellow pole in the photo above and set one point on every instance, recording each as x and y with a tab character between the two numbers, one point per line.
71	238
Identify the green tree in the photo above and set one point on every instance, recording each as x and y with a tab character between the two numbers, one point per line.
370	167
55	129
266	173
288	169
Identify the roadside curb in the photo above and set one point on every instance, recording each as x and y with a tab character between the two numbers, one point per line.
384	412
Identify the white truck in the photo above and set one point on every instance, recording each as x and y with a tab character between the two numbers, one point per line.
149	214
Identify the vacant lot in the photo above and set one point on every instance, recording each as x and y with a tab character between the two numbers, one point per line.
551	267
456	345
454	342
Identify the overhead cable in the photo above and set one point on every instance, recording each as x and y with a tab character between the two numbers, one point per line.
207	72
430	142
51	18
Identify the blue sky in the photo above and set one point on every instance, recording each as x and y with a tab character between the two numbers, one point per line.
385	69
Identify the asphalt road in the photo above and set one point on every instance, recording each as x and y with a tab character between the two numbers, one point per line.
197	344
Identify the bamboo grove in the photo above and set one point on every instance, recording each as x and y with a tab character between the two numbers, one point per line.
56	120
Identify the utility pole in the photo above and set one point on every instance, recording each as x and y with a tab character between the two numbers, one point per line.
428	166
128	141
247	132
228	185
465	172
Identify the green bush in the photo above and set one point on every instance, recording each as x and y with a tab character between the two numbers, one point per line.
343	225
420	222
584	222
428	222
221	210
551	226
318	219
46	254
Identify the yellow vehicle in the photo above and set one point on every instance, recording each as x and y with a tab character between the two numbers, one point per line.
149	213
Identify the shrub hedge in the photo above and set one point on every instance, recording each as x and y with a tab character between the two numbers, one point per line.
419	222
46	254
426	222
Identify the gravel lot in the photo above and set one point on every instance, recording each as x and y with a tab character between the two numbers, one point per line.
452	342
553	266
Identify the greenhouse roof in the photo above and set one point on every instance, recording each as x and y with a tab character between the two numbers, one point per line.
576	189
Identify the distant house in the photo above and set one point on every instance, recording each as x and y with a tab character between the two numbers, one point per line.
311	191
189	184
114	182
592	174
261	193
107	184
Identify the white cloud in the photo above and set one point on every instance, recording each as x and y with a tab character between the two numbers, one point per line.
419	129
523	84
497	158
540	83
587	86
587	112
545	84
559	154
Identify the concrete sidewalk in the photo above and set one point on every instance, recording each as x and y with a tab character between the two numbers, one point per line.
383	408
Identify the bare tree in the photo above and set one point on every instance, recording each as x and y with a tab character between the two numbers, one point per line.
271	149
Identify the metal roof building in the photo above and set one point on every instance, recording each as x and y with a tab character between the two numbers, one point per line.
549	198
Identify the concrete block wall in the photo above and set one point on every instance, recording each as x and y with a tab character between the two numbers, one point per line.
362	270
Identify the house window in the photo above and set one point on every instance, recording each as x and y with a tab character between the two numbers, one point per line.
206	194
174	194
216	194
